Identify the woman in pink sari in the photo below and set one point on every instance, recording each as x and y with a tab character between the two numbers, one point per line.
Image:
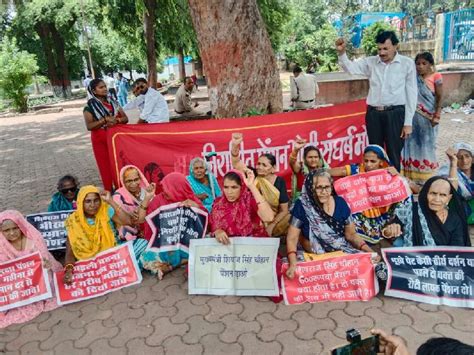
19	238
133	197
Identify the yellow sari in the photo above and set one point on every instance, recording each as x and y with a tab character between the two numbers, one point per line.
87	240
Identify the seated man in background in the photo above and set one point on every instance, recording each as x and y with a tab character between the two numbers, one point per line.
183	105
304	89
152	105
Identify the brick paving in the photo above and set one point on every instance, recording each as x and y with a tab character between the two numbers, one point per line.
160	317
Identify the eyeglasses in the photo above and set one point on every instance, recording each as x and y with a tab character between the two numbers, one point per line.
323	188
71	189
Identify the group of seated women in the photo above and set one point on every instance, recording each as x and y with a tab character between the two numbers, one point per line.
252	203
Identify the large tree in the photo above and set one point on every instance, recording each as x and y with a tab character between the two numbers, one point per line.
238	58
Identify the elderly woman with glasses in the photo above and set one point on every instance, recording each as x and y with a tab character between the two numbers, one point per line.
321	221
65	198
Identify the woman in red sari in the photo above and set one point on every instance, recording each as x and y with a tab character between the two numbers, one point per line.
241	211
101	113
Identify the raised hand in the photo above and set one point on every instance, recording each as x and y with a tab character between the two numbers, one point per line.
106	196
340	45
150	191
249	178
451	153
299	143
237	138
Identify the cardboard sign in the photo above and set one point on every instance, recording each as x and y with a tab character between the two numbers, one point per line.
436	275
174	226
343	278
51	226
109	271
245	267
377	188
23	281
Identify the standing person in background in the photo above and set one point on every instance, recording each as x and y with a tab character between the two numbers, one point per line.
86	83
419	154
122	87
110	81
100	113
392	93
304	89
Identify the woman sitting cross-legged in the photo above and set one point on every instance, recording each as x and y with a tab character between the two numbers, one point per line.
321	222
176	189
203	183
135	194
65	198
242	210
91	228
19	238
437	219
271	186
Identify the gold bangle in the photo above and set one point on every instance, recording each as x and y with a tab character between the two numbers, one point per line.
69	267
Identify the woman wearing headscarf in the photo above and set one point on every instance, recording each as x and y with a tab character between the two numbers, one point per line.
461	174
65	198
321	221
312	160
176	189
203	183
271	186
437	218
102	112
134	194
91	229
242	210
19	238
370	223
419	153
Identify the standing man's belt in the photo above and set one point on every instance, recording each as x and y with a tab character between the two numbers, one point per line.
385	108
306	101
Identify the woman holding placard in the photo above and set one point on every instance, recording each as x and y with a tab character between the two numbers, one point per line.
91	229
19	238
321	222
176	189
241	211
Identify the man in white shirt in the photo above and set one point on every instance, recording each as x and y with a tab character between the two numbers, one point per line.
392	93
304	89
152	105
110	82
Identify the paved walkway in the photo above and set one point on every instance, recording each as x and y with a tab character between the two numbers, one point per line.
159	317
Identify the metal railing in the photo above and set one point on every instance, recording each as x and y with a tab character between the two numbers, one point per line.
459	36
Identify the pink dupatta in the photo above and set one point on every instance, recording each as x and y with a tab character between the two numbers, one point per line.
34	243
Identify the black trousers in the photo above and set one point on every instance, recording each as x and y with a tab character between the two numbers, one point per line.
384	128
113	93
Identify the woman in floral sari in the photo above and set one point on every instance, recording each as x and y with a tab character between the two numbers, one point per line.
419	154
19	238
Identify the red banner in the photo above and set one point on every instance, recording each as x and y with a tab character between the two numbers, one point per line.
345	278
23	281
157	149
377	188
109	271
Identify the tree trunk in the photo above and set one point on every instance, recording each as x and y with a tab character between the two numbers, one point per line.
239	62
182	69
45	36
149	26
58	41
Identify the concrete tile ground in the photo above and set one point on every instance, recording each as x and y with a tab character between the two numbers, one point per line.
159	317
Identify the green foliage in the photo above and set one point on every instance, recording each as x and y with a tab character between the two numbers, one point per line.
275	14
254	111
17	69
368	38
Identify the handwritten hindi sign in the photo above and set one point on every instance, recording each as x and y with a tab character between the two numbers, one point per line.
441	275
109	271
377	188
343	278
245	267
23	281
173	226
51	226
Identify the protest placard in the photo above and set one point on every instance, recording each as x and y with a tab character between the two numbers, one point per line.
376	188
23	281
245	267
51	226
108	271
436	275
173	226
343	278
